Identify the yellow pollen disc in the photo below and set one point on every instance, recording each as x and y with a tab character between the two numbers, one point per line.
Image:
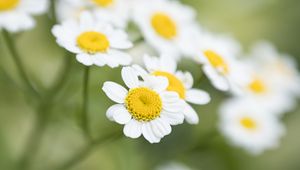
257	86
93	42
248	123
143	104
8	4
164	25
216	61
174	83
103	3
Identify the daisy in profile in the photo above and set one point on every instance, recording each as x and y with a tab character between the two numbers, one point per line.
115	12
179	82
248	126
16	15
163	24
93	41
218	56
146	108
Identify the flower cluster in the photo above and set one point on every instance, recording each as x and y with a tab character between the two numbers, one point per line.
263	84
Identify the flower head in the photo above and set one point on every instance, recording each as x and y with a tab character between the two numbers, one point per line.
16	15
146	108
93	41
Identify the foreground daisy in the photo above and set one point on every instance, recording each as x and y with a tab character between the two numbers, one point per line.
93	41
163	24
249	126
179	82
16	15
146	108
115	12
217	54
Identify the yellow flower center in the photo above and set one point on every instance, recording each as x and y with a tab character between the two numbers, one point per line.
103	3
257	86
248	123
8	4
174	83
143	104
164	25
93	42
216	61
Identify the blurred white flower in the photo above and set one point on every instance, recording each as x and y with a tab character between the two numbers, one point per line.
115	12
218	54
146	108
179	82
93	41
16	15
163	24
249	126
173	166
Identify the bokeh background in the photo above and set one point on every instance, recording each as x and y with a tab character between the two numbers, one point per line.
200	147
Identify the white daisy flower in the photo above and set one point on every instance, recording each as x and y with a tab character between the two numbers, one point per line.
217	54
179	82
115	12
248	126
146	108
16	15
163	24
281	67
93	42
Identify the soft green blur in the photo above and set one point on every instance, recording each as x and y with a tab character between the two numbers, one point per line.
196	146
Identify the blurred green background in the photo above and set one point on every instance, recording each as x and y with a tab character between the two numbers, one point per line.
199	147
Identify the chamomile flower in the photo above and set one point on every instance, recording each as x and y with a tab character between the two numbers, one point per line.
163	24
179	82
93	42
217	54
16	15
146	108
115	12
248	126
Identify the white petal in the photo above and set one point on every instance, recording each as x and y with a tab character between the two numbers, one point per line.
157	83
172	118
197	96
174	107
130	77
186	78
160	127
122	116
117	58
190	114
112	110
114	91
169	97
149	134
217	80
168	64
151	63
85	59
133	129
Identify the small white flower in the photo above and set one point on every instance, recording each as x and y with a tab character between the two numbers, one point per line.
115	12
146	108
179	82
93	42
16	15
173	166
163	24
249	126
217	54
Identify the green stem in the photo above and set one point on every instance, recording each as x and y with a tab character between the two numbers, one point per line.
53	11
84	113
81	155
16	57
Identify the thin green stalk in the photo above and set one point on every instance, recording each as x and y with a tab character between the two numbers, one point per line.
81	155
53	11
16	57
84	113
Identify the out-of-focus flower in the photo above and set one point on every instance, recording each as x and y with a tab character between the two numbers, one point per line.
218	54
173	166
16	15
163	24
146	108
115	12
179	82
93	41
249	126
